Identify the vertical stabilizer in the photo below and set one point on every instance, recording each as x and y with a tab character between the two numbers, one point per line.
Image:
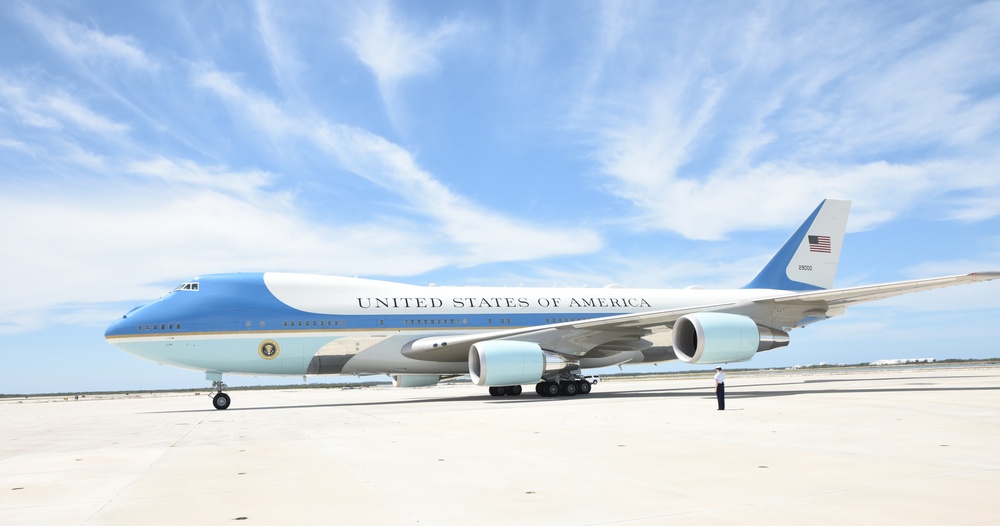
808	260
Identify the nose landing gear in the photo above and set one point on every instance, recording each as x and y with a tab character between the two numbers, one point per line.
220	400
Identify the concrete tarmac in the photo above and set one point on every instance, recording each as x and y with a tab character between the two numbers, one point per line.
885	446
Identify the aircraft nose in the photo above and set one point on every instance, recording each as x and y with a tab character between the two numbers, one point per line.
115	329
121	325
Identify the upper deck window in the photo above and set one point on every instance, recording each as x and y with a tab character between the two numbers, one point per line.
192	285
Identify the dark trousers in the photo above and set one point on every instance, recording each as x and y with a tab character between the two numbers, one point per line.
720	393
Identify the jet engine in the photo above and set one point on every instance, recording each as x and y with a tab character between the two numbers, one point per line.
414	380
714	337
508	362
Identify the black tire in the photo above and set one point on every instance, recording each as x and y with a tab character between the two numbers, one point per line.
497	390
583	387
568	389
221	401
550	389
540	389
513	390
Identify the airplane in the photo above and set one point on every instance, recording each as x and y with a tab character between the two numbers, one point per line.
269	323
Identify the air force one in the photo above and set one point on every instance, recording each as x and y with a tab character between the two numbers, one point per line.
296	324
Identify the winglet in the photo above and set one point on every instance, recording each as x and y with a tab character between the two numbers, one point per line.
808	260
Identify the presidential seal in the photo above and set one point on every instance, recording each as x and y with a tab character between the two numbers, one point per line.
268	349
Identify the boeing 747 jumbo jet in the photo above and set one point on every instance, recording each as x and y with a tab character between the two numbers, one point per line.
296	324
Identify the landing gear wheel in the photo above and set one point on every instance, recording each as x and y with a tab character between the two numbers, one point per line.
583	387
569	389
221	401
497	390
512	390
550	389
539	389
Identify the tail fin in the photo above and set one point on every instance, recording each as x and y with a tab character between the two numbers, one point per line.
808	260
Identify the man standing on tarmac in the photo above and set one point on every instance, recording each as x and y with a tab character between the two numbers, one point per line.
720	387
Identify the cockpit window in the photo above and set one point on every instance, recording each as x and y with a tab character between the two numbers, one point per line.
192	285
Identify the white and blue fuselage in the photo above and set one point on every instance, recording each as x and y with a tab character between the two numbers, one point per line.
217	323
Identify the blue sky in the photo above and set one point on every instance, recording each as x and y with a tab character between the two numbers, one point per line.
659	144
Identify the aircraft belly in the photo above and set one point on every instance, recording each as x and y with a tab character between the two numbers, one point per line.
610	359
333	356
240	355
386	357
328	364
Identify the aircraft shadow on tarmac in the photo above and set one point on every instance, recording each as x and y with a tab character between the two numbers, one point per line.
737	391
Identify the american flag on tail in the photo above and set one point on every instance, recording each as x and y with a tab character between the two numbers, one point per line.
819	244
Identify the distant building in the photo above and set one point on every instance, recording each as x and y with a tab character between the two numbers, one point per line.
902	361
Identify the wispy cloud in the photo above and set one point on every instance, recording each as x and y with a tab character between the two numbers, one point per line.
479	233
742	140
81	43
285	64
178	218
395	50
40	107
72	111
182	171
15	144
19	102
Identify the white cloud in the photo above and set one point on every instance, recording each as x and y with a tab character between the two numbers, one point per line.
122	241
17	98
770	196
89	45
478	233
72	111
285	65
771	116
14	144
247	184
259	110
134	223
978	207
76	156
47	108
394	50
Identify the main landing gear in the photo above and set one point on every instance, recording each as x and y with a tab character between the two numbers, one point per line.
573	387
548	389
220	400
505	390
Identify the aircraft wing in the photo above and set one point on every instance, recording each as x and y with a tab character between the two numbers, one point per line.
579	337
572	338
855	295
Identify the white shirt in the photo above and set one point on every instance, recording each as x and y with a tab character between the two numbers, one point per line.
720	377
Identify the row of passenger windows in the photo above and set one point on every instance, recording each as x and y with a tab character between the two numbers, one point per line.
449	321
430	322
313	323
343	323
160	326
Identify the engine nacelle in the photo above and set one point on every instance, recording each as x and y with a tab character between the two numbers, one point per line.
715	337
415	380
508	362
